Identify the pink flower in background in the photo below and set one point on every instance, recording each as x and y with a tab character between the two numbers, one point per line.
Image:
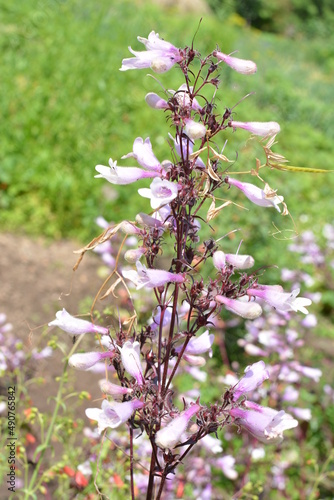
160	56
227	464
76	326
242	66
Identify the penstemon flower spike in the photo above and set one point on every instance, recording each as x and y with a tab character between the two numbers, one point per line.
148	352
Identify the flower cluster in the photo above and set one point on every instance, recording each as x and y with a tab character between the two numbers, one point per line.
147	354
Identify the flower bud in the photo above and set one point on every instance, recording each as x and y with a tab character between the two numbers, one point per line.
133	255
113	389
219	260
130	353
240	261
243	66
85	360
194	130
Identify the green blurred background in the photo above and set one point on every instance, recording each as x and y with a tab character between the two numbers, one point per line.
66	107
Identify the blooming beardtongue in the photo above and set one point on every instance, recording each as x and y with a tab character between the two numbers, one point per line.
113	414
151	278
161	192
130	353
142	151
262	197
247	310
122	175
75	326
255	374
160	56
282	301
266	424
169	436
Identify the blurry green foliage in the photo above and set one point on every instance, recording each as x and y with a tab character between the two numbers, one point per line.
65	108
288	17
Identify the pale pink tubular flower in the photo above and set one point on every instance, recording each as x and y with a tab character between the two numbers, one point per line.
255	375
143	153
161	192
194	360
247	310
130	354
169	436
113	389
308	371
266	424
263	129
85	360
75	326
151	278
149	221
243	66
113	414
160	56
129	228
258	196
122	175
301	413
282	301
214	445
226	464
167	316
199	345
155	101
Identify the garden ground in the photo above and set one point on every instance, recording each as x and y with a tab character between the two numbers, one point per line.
36	281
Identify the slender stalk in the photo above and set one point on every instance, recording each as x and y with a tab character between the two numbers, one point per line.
31	488
131	463
150	486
